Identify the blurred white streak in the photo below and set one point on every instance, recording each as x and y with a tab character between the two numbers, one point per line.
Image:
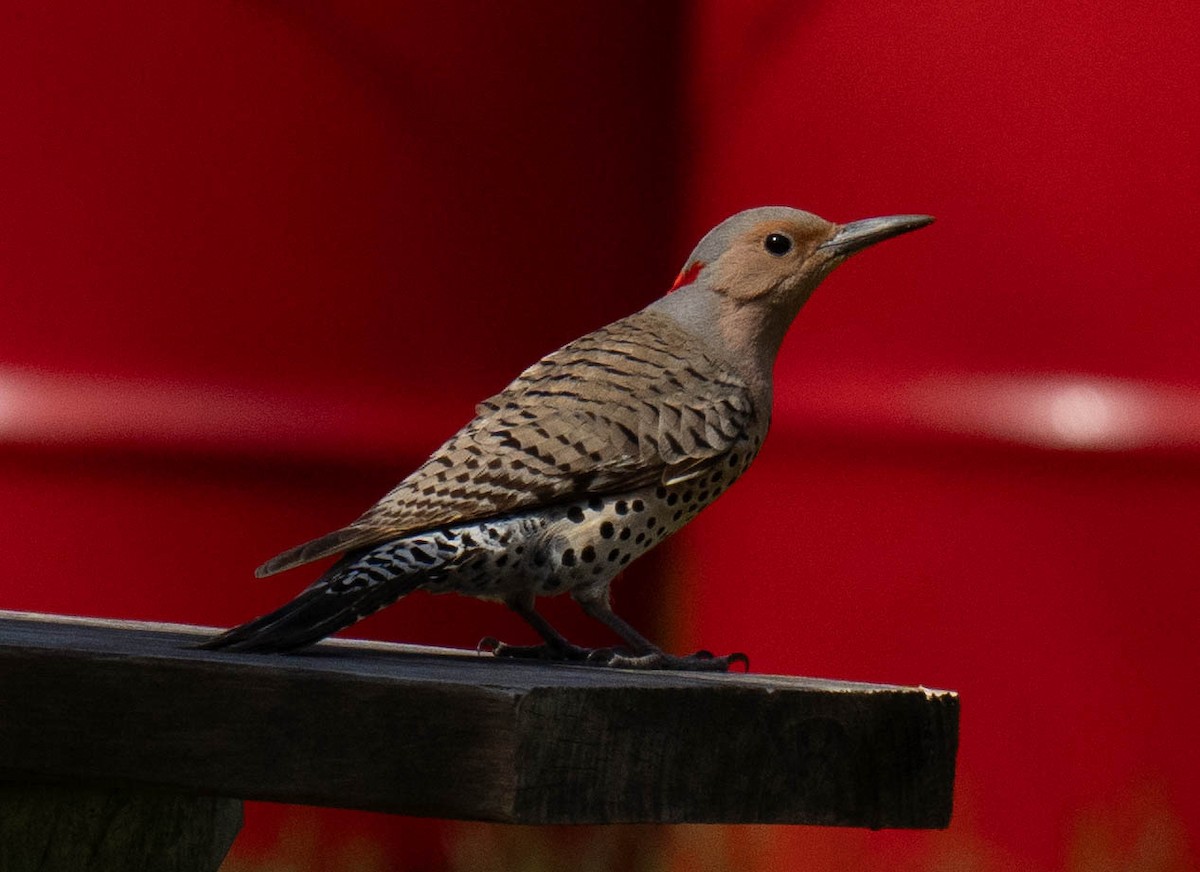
1054	411
1064	412
90	411
11	395
1051	411
1085	416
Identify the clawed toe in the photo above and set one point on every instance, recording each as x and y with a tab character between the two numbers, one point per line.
604	656
545	651
701	661
618	658
735	657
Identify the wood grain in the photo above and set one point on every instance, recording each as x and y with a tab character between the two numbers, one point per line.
50	828
460	735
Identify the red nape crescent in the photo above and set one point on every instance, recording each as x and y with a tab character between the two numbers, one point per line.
687	276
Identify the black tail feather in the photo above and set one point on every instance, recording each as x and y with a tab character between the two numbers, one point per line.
319	611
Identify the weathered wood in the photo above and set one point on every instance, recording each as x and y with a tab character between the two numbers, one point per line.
50	828
456	734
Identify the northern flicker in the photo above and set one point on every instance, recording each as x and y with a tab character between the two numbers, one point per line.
591	457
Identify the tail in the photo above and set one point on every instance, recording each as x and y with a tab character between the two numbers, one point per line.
352	589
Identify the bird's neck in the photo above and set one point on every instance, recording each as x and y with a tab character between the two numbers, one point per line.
751	338
744	336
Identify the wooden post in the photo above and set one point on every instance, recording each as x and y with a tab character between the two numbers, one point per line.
457	734
48	828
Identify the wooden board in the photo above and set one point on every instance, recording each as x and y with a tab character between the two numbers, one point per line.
457	734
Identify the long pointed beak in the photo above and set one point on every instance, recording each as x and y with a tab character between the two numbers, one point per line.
857	235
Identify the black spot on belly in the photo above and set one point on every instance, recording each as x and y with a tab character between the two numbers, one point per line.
672	499
624	534
638	505
613	555
568	557
588	554
622	507
607	530
575	514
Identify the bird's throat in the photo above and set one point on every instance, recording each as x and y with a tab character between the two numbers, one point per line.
750	335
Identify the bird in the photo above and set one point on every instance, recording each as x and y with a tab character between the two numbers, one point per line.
589	458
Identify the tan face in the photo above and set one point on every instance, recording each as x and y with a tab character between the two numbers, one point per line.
772	259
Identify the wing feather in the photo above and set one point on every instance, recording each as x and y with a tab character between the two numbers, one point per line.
637	402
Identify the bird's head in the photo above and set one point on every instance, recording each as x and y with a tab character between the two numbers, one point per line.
748	278
777	256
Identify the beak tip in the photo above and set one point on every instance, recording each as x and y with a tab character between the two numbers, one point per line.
858	235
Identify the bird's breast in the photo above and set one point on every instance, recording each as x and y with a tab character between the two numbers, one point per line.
587	542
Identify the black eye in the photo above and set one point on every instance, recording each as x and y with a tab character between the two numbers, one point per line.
778	244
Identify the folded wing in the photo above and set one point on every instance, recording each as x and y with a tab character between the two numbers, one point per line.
630	404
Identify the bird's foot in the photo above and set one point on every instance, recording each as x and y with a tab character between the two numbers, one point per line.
701	661
620	658
545	651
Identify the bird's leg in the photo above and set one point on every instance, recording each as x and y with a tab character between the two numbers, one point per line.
556	646
647	655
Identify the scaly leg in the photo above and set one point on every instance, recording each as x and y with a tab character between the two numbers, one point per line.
646	654
556	646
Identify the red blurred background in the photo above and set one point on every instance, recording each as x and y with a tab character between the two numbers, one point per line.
257	259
